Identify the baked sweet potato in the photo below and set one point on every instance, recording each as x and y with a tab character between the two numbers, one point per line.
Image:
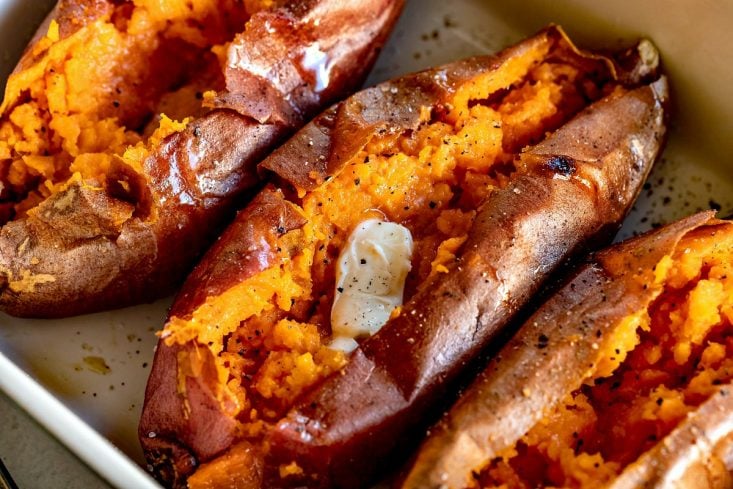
248	387
129	129
622	379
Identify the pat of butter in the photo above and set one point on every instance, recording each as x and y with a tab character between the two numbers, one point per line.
370	280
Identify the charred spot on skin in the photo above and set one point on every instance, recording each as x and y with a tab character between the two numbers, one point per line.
562	165
170	467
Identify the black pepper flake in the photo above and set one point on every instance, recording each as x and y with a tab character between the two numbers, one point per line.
579	446
659	401
362	261
433	204
340	289
281	230
197	131
116	103
542	341
357	181
714	205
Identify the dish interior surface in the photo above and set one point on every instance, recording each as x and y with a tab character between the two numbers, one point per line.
97	365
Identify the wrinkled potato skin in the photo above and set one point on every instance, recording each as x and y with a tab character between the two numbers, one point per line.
96	252
199	420
511	394
521	234
347	428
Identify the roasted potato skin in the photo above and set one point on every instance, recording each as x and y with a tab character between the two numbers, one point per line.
576	189
579	187
87	249
514	390
170	423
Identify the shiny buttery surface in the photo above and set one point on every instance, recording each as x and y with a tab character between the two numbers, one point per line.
370	280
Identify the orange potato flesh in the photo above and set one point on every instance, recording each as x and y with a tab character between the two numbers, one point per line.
664	362
269	333
90	96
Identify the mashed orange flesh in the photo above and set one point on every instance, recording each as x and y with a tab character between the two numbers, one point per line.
94	94
269	334
665	361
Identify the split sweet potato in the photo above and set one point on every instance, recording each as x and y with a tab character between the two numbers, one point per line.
129	130
500	167
622	379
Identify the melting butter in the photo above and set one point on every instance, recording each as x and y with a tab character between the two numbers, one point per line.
370	280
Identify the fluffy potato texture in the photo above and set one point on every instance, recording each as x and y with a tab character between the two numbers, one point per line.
501	167
622	379
129	131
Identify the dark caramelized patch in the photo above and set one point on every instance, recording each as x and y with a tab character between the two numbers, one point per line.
562	165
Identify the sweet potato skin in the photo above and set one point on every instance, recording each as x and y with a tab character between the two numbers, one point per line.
576	189
86	249
350	424
171	424
511	394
